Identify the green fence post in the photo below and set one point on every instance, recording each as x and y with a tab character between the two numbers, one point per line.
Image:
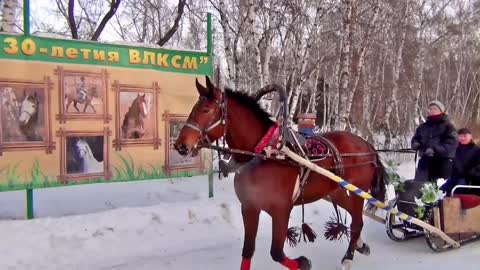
26	17
210	52
210	184
210	177
30	213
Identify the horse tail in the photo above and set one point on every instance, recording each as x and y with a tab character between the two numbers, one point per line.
379	188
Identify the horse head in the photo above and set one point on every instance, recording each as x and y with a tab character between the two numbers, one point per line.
205	120
28	108
93	92
141	105
83	149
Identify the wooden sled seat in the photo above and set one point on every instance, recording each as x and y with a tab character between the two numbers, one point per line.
456	218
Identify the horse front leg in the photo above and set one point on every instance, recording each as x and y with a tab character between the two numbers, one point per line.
280	218
251	218
75	106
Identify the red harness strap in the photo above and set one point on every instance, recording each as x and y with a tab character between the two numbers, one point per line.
271	138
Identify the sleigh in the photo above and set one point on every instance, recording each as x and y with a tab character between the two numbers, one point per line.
458	216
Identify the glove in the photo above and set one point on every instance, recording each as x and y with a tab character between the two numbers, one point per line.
415	145
429	152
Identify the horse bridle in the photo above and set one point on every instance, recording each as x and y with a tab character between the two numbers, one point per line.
221	105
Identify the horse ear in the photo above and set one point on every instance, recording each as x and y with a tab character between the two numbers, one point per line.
202	90
210	85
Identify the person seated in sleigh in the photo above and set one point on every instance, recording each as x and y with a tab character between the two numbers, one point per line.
436	142
466	166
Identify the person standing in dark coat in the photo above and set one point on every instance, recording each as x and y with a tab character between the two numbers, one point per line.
466	166
436	142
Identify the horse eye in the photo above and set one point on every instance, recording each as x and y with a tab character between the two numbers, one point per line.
206	110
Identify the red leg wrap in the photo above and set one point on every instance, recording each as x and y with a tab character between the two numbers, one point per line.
245	264
290	264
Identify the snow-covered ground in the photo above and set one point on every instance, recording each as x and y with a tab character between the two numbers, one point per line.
174	225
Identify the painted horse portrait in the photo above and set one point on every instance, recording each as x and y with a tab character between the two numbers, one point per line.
10	108
76	98
20	116
88	163
29	117
272	185
133	126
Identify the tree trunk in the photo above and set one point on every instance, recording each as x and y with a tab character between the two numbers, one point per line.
346	57
8	15
392	100
333	119
361	58
253	40
227	42
305	58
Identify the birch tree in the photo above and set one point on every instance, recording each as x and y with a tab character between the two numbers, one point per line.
9	10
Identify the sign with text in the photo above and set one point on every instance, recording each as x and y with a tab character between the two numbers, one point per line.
93	53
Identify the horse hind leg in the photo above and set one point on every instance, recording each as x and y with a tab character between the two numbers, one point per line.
89	104
279	234
356	243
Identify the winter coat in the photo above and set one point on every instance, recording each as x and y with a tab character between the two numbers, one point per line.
439	134
472	172
467	159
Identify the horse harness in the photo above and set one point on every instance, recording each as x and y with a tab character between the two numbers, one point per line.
298	141
267	148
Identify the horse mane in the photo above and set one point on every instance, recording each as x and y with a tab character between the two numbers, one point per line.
250	102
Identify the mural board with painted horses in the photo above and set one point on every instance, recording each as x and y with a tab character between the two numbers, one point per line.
93	118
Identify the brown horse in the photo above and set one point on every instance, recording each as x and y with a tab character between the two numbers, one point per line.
74	97
133	124
268	185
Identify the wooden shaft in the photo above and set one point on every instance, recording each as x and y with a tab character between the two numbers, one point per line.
312	166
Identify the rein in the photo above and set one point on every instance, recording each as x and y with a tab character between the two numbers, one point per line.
265	157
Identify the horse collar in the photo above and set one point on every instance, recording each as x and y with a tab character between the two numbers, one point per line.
270	138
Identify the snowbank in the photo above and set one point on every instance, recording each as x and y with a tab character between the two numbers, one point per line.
176	226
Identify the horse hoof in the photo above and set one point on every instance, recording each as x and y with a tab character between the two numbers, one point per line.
347	264
365	249
304	263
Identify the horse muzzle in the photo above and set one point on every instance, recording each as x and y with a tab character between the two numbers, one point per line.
183	150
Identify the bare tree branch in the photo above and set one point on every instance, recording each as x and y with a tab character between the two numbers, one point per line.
180	9
114	4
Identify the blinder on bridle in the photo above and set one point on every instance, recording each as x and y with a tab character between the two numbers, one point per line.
221	106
